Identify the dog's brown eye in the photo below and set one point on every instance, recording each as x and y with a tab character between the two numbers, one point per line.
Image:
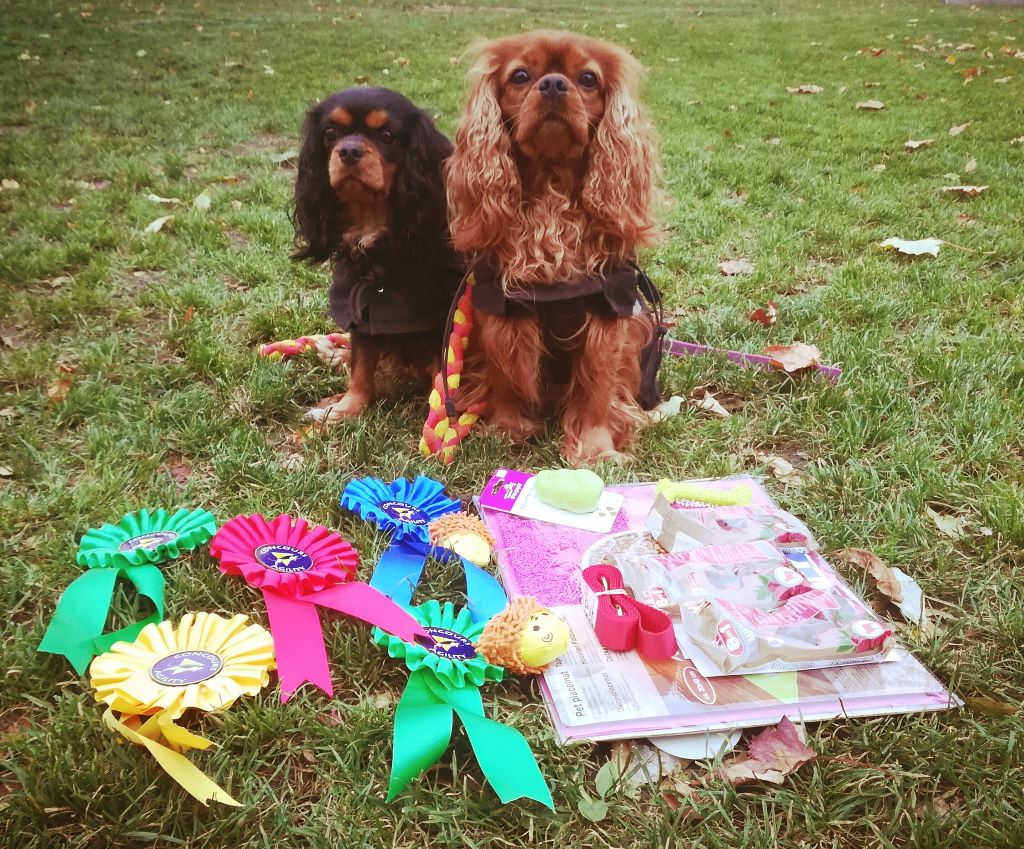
588	79
330	134
387	136
519	77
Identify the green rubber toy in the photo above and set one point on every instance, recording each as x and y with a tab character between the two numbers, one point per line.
575	490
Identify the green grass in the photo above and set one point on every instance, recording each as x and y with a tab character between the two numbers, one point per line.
160	330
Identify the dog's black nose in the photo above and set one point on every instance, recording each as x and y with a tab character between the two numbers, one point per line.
350	152
553	86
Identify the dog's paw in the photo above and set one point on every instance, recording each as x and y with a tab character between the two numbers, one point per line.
338	407
512	426
593	446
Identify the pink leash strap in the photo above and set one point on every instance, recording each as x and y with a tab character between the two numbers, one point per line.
621	622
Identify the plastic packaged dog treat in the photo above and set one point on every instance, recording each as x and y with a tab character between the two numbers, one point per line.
752	608
680	527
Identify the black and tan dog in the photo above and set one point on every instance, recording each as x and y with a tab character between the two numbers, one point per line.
369	197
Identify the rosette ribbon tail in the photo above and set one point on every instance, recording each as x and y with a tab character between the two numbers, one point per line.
398	572
485	597
298	643
423	725
76	629
176	765
370	605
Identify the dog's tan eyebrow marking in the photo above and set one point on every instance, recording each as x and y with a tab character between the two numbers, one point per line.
341	116
376	119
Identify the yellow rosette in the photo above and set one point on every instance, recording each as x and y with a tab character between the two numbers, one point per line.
206	662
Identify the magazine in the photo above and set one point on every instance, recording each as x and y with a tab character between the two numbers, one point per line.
596	694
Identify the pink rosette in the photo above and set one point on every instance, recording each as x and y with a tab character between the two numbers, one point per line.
298	567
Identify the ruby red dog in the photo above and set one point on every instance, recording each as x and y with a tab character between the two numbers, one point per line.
550	191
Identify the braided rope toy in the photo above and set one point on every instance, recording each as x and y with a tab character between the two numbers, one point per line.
445	428
333	349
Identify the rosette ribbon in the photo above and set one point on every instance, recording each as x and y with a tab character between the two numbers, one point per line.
405	510
444	682
300	567
127	550
204	663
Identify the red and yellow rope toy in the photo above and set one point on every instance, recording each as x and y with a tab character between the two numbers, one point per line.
332	348
445	428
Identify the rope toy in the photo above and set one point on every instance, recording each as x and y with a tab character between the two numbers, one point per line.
445	428
333	349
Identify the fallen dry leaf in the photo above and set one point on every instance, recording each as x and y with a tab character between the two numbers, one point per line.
765	315
202	200
913	144
157	224
9	185
793	358
970	74
773	755
709	403
872	105
860	558
983	704
5	472
1018	140
58	390
912	247
966	191
732	267
952	526
781	469
189	314
805	88
179	472
970	165
955	131
158	199
1003	80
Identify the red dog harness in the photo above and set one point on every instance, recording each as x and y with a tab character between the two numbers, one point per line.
620	621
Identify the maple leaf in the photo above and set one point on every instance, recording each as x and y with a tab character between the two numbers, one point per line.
955	131
765	315
792	358
773	755
873	105
860	558
732	267
914	144
912	247
966	191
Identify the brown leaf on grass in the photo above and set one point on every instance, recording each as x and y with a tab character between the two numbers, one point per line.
970	74
885	579
733	267
189	314
58	389
792	358
179	472
915	144
765	315
773	755
871	105
959	128
5	472
8	341
983	704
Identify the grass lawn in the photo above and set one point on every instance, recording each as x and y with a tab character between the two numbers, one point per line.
129	379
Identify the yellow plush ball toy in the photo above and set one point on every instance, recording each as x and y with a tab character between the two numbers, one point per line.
525	637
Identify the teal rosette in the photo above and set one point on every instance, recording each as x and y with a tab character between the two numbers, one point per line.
444	681
146	536
130	549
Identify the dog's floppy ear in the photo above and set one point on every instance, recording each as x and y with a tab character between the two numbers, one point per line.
316	213
484	191
418	201
619	187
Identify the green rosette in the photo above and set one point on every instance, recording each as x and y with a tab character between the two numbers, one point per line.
126	550
146	536
444	682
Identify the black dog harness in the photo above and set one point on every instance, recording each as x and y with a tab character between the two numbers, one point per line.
399	300
622	292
